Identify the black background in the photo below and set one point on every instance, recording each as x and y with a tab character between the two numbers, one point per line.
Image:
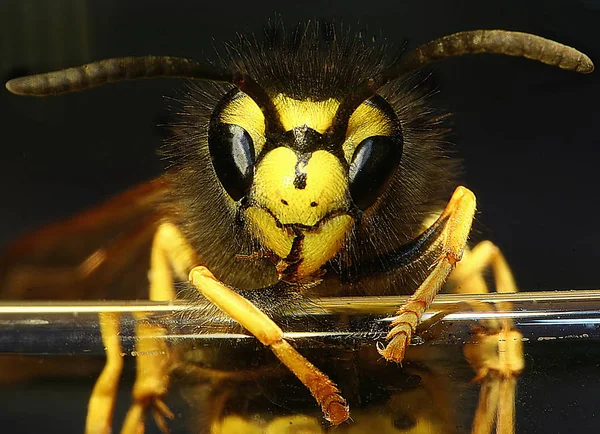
527	132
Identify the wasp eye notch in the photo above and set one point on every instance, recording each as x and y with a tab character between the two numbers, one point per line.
373	165
233	158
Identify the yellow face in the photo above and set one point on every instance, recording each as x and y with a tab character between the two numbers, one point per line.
299	204
302	201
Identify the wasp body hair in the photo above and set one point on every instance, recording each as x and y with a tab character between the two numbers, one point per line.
307	67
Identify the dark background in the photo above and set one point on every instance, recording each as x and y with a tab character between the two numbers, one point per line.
527	132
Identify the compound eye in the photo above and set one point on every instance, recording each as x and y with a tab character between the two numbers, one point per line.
232	154
374	162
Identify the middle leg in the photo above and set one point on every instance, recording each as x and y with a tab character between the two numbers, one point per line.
458	217
496	350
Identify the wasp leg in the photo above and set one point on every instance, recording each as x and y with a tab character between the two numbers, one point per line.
459	214
467	277
486	408
498	360
153	359
171	248
102	401
324	391
152	381
496	349
506	406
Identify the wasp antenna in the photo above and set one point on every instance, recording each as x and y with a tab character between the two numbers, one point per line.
90	75
469	42
251	88
492	42
339	125
95	74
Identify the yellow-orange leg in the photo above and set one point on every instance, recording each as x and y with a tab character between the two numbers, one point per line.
153	359
496	350
152	356
459	214
466	278
324	391
496	354
153	363
171	251
102	401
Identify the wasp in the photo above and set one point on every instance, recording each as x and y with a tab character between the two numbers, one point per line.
304	166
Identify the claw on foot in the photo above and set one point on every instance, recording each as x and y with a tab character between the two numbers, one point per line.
336	410
399	338
134	421
160	411
395	349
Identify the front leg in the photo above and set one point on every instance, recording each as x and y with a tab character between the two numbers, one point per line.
325	392
457	219
172	251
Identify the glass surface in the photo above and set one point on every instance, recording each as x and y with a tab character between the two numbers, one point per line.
51	355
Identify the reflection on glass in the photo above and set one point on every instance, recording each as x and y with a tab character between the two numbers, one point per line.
225	382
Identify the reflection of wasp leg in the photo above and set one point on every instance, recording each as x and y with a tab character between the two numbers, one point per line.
152	380
497	357
496	351
151	383
269	334
459	214
153	360
103	397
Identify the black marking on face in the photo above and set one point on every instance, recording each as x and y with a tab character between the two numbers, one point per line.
300	175
304	141
300	181
293	259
